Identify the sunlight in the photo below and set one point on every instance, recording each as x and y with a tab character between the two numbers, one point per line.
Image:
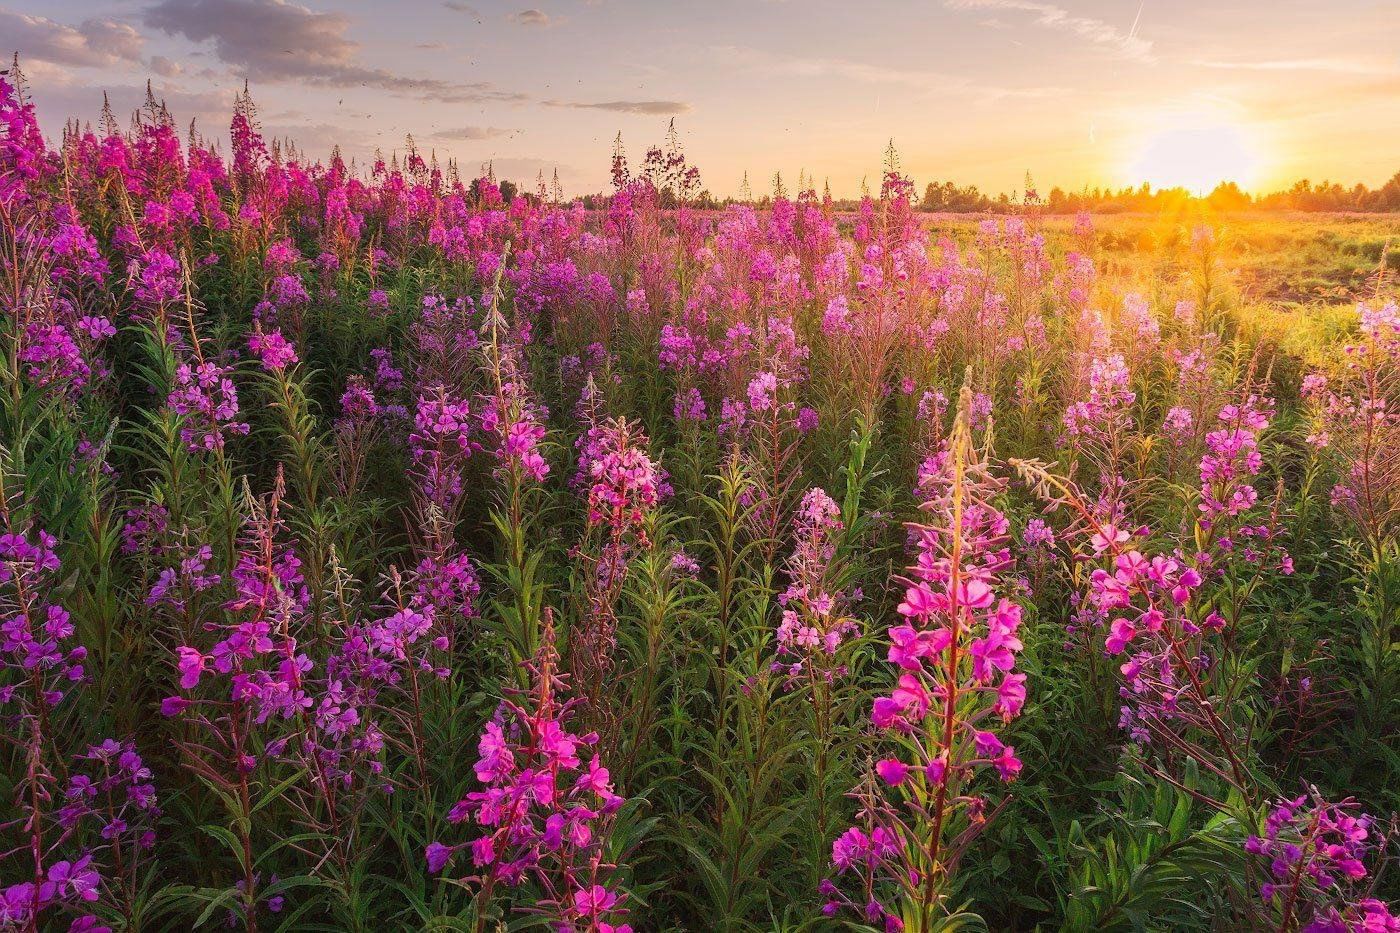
1196	154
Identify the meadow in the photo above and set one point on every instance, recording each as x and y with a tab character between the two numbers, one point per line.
378	554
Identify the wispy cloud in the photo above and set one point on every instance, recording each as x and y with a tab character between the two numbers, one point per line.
1347	66
474	133
931	82
647	107
530	17
1049	16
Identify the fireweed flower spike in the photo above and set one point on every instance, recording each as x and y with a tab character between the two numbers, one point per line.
815	623
1315	854
622	486
816	630
204	393
40	666
513	423
1098	429
440	444
509	413
954	655
546	809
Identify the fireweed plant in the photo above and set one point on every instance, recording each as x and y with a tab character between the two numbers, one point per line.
954	653
547	810
623	488
385	546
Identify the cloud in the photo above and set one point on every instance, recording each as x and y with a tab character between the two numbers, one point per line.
530	18
929	82
473	133
647	107
1049	16
1350	66
93	43
274	40
273	37
165	67
459	7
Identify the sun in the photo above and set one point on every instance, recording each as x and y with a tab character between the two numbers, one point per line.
1196	154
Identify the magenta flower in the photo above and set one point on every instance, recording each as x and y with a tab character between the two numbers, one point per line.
272	349
207	398
191	664
75	879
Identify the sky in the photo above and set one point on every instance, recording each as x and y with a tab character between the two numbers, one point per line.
1076	92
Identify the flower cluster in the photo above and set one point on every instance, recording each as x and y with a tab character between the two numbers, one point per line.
1232	456
257	652
510	414
115	792
144	529
35	632
272	350
623	482
440	443
53	358
73	883
1105	408
545	813
1152	613
622	486
371	681
176	585
1146	600
815	622
449	585
205	395
1315	852
1357	424
1228	499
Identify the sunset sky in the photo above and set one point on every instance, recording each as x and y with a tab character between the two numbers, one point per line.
977	91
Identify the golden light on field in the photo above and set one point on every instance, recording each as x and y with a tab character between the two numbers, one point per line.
1197	154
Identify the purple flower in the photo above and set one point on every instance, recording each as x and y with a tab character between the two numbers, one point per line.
272	349
206	397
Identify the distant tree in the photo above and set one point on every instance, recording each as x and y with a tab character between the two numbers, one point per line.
1387	197
949	198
